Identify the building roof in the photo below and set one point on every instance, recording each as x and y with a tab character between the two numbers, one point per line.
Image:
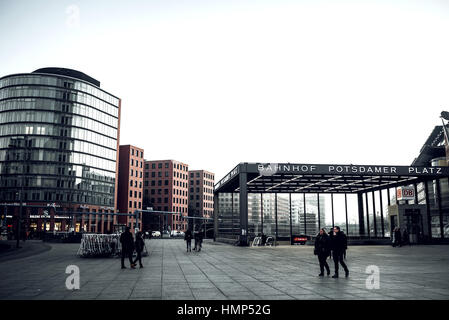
432	148
324	178
69	73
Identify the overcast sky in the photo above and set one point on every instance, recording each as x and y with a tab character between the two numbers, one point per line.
215	83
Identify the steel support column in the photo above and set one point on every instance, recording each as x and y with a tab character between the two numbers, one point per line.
374	215
361	214
261	213
429	218
290	211
243	202
276	217
382	223
367	216
319	212
305	224
346	214
440	209
332	206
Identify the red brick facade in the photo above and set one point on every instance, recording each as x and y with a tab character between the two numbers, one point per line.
130	184
166	189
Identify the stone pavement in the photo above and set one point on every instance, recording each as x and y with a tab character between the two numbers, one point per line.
222	271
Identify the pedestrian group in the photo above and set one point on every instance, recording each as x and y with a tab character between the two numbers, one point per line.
332	245
128	247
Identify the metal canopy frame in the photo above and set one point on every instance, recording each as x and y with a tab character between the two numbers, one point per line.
318	178
291	178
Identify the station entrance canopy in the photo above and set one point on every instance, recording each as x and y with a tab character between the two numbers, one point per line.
323	178
289	178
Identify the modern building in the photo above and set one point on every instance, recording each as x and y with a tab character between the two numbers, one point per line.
166	189
201	194
359	199
59	135
130	185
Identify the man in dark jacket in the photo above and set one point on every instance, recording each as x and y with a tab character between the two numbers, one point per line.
322	248
140	244
200	240
188	239
339	244
127	241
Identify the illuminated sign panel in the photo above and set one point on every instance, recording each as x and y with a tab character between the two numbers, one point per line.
405	193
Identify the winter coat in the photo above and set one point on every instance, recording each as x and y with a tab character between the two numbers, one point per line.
140	244
322	244
127	241
339	243
188	235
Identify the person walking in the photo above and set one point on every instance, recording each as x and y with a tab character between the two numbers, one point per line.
188	239
140	244
127	241
406	238
322	248
200	240
398	237
339	244
195	237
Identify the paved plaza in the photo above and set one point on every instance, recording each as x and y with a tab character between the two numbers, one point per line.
226	272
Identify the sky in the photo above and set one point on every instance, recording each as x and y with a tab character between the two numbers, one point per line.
216	83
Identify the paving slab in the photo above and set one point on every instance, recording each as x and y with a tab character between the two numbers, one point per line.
230	273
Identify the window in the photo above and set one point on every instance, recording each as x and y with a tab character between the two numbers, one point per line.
153	174
130	183
153	166
159	165
130	193
130	204
166	165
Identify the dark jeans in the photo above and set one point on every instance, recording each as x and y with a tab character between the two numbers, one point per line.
138	258
189	245
323	263
338	258
128	254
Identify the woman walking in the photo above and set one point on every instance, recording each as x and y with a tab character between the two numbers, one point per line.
322	249
140	244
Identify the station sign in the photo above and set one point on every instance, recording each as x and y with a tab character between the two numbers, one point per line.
405	193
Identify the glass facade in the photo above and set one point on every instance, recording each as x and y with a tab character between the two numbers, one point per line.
58	139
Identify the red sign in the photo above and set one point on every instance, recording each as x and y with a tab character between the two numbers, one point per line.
406	193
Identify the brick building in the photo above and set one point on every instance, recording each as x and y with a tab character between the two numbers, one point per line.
201	193
166	189
130	184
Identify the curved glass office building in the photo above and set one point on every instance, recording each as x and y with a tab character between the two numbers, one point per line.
58	148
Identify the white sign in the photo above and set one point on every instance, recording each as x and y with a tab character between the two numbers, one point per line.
406	193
